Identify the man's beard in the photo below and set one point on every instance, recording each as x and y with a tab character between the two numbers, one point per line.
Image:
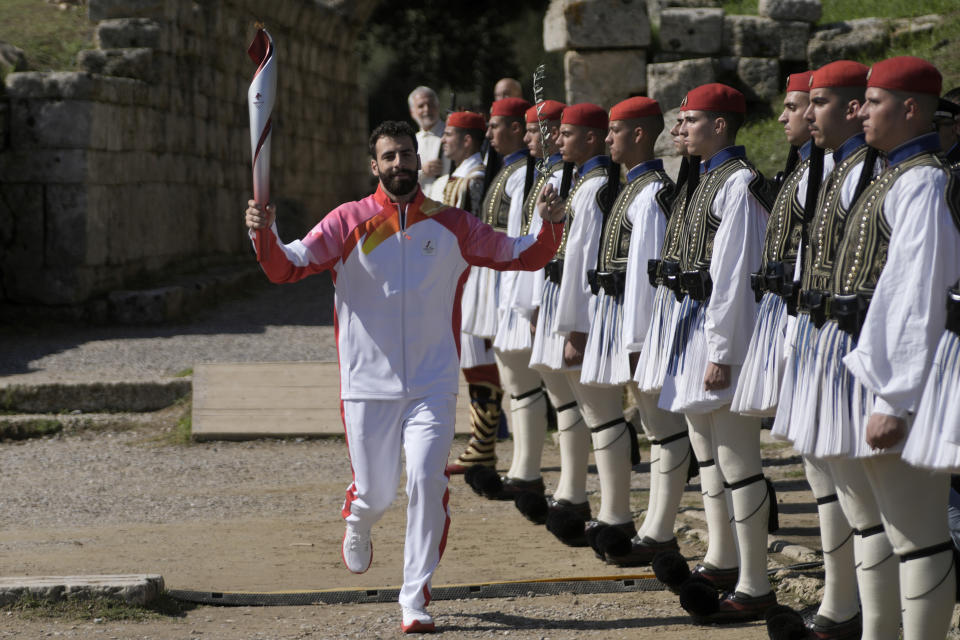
400	183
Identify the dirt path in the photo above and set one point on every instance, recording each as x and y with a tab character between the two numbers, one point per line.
263	516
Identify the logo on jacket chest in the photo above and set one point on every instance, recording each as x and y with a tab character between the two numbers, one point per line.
429	247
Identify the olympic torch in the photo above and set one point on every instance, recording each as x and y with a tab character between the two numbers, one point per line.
260	99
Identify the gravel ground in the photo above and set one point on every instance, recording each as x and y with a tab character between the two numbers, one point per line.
273	323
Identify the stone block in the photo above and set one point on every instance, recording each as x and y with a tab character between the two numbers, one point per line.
668	82
691	30
751	36
664	146
853	39
53	124
803	10
758	78
65	225
98	10
903	30
793	41
125	33
44	165
596	24
604	77
128	63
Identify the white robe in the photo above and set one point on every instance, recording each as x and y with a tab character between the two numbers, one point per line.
718	330
906	316
428	147
619	323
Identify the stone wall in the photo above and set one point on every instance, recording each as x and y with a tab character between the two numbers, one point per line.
138	166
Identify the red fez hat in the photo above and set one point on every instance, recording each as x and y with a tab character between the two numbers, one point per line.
842	73
510	107
905	73
799	82
549	110
466	120
585	114
714	97
635	107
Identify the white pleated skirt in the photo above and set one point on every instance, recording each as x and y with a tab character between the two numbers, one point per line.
513	331
934	440
683	390
796	419
473	352
655	355
605	361
479	299
759	388
845	404
547	351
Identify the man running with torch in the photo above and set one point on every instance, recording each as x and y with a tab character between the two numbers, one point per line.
399	261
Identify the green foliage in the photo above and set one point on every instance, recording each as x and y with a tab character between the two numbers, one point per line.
451	47
766	144
837	10
50	37
35	428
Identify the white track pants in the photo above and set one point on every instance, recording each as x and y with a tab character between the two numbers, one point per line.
376	430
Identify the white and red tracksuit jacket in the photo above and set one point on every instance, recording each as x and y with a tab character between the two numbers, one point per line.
398	274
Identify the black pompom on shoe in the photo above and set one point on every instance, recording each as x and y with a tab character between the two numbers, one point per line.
613	542
485	481
698	598
532	506
567	526
783	623
671	569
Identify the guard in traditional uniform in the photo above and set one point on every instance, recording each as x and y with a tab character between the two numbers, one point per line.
563	323
721	244
505	132
900	251
946	120
632	236
836	93
514	339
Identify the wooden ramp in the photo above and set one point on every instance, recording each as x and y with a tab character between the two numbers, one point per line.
275	399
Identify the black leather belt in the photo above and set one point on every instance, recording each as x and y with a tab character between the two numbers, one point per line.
953	310
653	272
670	275
697	284
554	271
817	304
612	282
849	312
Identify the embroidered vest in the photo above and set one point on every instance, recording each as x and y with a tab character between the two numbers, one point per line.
826	231
784	227
700	225
596	172
457	190
615	241
863	250
530	204
496	203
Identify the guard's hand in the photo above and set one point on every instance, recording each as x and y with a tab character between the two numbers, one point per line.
717	377
885	431
574	347
258	217
432	168
550	205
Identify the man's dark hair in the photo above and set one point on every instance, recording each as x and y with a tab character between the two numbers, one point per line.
476	136
391	129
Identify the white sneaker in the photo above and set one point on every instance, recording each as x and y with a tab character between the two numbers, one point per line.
357	549
416	621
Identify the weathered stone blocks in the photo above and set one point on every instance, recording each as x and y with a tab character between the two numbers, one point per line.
596	24
866	37
751	36
124	33
604	77
128	63
668	82
803	10
691	30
